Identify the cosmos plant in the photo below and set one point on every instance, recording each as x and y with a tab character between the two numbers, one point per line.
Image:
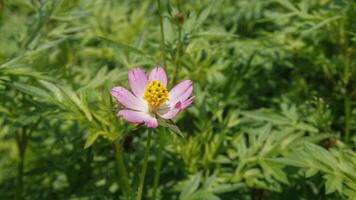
150	98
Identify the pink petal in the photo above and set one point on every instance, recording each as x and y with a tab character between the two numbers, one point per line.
178	100
180	92
127	99
137	81
138	117
170	114
152	122
132	116
158	74
166	112
187	103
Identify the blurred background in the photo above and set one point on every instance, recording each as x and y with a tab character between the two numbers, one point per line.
274	115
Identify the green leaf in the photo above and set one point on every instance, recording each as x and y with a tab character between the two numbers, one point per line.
322	155
81	104
190	187
288	5
266	115
333	183
171	126
49	45
54	89
217	34
311	172
99	79
126	47
32	90
92	138
225	188
275	170
23	70
320	25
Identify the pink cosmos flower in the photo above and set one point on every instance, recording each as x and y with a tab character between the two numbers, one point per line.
150	98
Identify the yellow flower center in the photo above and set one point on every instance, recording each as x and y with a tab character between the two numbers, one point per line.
155	93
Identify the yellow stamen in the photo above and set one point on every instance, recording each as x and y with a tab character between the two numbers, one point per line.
155	93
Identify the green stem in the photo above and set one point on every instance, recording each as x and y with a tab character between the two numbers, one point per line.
347	103
21	140
347	107
123	177
20	169
179	47
163	49
144	167
20	179
158	164
43	19
178	56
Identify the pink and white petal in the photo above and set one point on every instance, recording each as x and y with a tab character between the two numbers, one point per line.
158	74
184	96
137	81
151	122
138	117
163	109
174	110
187	103
133	116
180	89
181	96
171	112
127	99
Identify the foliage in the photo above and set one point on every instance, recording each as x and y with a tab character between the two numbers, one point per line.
274	114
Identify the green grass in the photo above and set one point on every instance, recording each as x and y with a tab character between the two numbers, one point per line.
274	115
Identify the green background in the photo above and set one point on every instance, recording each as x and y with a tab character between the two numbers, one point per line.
274	115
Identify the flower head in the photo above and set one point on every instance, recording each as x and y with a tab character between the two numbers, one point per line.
150	98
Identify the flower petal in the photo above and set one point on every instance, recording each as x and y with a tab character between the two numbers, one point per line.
138	117
180	92
187	103
158	74
137	81
127	99
169	112
179	106
178	100
152	122
132	116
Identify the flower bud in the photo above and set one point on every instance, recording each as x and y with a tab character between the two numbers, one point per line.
179	17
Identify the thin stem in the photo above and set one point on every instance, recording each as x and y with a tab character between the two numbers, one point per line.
144	167
20	169
180	43
163	49
21	140
123	177
347	107
178	56
347	103
158	164
43	19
